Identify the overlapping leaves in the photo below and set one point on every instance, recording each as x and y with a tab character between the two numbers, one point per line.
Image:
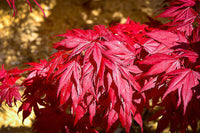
98	64
105	76
183	15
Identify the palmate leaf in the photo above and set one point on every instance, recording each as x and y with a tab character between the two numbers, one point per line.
166	63
183	80
161	63
153	47
165	37
9	89
38	69
182	14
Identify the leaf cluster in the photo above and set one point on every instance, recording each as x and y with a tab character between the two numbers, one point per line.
104	77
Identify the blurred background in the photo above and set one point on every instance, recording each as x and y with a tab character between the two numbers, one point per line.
29	36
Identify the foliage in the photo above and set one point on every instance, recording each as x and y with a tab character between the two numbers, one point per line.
104	77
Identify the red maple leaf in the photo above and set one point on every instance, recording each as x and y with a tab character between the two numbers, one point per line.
183	81
38	69
182	14
161	63
9	89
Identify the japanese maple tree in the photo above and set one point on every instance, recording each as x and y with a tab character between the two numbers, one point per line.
105	77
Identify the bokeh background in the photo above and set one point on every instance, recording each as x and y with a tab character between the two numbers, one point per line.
29	36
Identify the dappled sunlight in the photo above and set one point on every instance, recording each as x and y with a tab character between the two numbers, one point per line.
20	41
10	117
